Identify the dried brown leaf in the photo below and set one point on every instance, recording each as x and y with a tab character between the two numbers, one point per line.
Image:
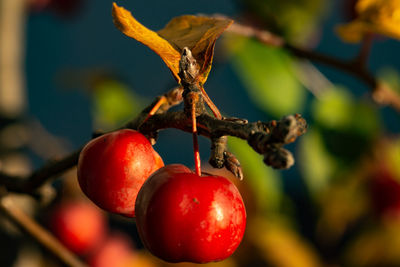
198	33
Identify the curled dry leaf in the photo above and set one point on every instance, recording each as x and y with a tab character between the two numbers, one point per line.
373	16
198	33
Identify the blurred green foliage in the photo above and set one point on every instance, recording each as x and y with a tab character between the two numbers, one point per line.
391	76
296	20
317	165
268	75
114	104
345	123
263	181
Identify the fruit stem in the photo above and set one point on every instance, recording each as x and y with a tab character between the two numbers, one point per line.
209	102
154	109
197	162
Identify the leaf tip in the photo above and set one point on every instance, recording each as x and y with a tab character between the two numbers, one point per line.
119	13
114	9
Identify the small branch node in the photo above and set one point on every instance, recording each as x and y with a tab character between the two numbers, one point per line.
232	164
218	147
278	157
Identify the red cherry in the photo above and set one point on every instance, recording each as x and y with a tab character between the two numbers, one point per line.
79	226
113	167
181	216
117	250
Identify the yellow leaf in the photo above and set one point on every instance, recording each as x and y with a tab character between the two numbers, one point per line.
198	33
378	16
127	24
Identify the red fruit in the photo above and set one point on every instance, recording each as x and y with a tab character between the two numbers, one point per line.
79	226
116	251
385	193
113	167
181	216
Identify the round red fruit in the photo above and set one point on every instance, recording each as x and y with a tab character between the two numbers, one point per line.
181	216
79	226
113	167
116	251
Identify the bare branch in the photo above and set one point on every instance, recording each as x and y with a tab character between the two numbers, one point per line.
356	67
30	184
264	138
17	216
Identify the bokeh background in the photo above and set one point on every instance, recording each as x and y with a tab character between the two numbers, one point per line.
338	206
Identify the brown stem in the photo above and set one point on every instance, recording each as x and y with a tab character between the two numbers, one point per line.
162	100
218	147
29	184
211	104
194	99
347	66
261	136
17	216
363	55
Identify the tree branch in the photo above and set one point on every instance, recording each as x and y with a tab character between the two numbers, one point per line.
381	93
266	138
17	216
28	185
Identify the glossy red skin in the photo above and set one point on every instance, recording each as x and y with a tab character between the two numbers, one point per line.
113	167
79	226
182	217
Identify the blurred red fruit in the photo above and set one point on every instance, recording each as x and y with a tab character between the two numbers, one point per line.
116	251
65	8
80	226
385	193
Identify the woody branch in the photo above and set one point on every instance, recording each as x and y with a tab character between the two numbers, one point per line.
381	93
267	138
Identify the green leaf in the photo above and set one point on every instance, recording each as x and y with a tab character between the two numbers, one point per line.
348	126
264	182
267	74
391	76
296	20
393	157
333	109
337	109
114	104
317	165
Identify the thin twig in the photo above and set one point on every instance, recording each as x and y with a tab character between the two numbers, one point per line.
28	185
260	135
381	94
362	58
17	216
